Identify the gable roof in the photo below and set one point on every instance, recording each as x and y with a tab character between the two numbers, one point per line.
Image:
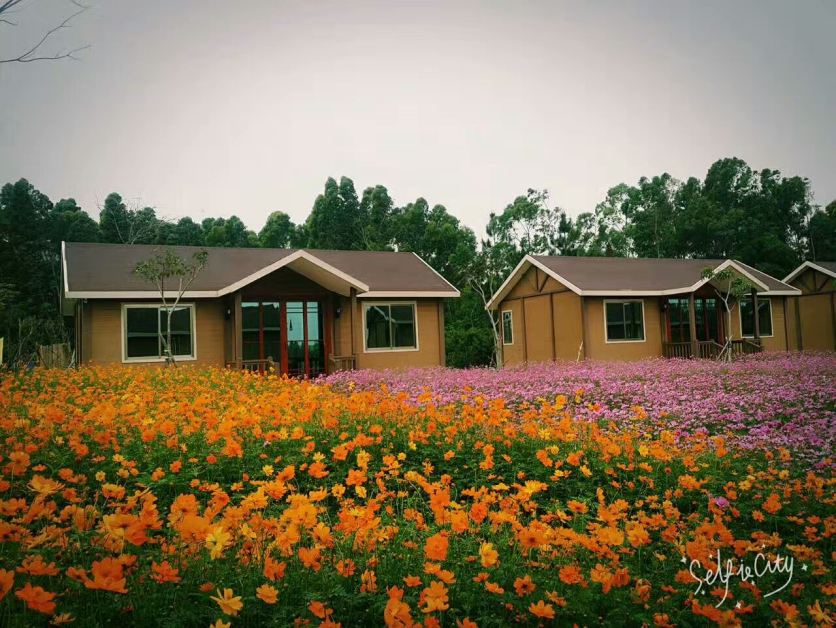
619	276
106	271
828	268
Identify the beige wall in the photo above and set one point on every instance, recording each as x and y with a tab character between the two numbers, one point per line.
429	351
105	337
778	341
816	312
600	349
552	314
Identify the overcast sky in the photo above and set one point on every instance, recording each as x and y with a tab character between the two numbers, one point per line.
207	108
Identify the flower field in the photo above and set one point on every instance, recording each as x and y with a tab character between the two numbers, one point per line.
547	496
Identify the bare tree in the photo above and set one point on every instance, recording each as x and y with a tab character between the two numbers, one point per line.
484	275
160	270
730	287
8	8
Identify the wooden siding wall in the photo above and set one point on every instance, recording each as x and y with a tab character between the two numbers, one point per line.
778	341
600	349
105	338
816	315
430	350
553	320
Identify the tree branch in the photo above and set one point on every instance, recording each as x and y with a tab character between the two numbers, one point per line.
29	55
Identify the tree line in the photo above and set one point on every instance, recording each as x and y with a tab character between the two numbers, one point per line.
761	218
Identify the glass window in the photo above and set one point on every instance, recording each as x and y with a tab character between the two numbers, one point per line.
624	321
747	318
145	329
390	326
508	327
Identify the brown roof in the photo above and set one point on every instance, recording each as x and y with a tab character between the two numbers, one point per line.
831	266
614	273
102	268
601	276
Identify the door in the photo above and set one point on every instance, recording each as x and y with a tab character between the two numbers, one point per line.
291	333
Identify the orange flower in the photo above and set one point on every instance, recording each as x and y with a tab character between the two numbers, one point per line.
544	611
35	566
435	598
229	605
346	568
488	555
7	580
37	599
107	576
397	612
524	586
267	594
571	575
436	547
164	572
311	558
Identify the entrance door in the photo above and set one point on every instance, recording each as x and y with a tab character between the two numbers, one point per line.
708	318
300	323
305	348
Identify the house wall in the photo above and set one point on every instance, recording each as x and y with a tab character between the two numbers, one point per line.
778	341
430	317
103	343
816	312
600	349
552	314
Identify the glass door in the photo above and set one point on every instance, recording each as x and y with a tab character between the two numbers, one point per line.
261	331
305	338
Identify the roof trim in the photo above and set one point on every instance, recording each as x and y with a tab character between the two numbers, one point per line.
391	294
806	265
300	254
528	260
438	274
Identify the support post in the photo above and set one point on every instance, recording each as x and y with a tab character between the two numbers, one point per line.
238	331
786	326
692	325
584	330
524	334
442	346
799	340
833	316
353	326
551	324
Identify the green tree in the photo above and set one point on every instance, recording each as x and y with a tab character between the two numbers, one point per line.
70	223
335	221
121	224
651	217
376	211
279	232
822	239
230	232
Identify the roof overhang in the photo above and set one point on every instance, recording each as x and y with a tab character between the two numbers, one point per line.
302	262
812	265
528	261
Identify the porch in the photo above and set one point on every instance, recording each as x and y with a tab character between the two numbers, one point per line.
694	326
288	324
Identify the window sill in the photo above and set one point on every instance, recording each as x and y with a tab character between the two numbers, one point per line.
398	350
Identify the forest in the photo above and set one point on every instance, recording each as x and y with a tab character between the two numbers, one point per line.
759	217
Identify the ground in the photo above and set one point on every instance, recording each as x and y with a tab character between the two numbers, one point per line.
592	494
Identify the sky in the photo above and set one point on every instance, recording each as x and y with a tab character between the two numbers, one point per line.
204	108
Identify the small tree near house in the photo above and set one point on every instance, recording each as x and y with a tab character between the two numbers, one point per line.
164	269
731	288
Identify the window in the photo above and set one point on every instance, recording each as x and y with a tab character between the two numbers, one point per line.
747	318
624	321
145	325
507	327
390	327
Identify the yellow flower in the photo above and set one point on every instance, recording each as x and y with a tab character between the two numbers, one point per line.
220	624
267	594
488	555
229	605
216	541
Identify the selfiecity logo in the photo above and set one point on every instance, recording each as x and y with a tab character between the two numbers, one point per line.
760	567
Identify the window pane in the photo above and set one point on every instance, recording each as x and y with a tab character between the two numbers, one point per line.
633	318
508	328
377	327
249	316
295	338
615	331
747	319
142	332
624	321
615	313
403	326
764	311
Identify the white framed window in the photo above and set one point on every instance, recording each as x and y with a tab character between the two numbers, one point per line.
747	318
507	327
624	320
390	326
143	324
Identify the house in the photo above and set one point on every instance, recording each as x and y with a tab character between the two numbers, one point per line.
813	312
305	312
628	309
